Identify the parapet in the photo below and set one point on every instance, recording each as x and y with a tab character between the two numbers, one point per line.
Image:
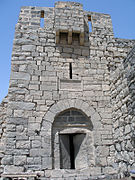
69	20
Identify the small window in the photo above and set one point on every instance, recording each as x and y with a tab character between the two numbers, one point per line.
89	23
70	70
63	37
42	19
76	38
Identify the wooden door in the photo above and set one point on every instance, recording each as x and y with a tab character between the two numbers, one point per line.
64	152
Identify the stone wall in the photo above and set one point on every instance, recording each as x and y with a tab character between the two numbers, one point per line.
3	115
41	87
122	89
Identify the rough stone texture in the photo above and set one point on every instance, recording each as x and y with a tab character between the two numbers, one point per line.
3	114
62	68
123	93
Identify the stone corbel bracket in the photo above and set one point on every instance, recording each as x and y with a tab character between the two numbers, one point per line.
70	33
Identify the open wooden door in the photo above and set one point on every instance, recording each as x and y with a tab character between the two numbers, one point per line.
64	152
80	151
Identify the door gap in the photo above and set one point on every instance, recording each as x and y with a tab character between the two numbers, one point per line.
72	153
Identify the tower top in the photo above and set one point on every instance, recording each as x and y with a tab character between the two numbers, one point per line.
67	4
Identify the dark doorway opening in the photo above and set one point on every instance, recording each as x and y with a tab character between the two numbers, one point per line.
72	153
69	149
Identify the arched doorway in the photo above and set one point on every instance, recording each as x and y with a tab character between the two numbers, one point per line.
72	140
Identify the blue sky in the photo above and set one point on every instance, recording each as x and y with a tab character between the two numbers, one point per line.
122	13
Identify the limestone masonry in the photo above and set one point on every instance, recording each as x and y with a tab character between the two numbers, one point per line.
70	109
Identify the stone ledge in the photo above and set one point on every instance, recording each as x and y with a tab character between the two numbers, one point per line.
19	175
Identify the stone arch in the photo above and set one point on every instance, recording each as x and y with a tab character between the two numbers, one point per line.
73	117
72	139
60	106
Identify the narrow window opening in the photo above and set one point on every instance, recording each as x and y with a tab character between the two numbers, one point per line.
72	156
63	37
89	23
70	70
76	38
42	19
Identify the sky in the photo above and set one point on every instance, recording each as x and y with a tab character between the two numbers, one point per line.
122	13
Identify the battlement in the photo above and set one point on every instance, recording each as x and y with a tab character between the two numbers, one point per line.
68	20
68	4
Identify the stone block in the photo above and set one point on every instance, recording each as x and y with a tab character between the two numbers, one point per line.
28	48
96	120
48	173
37	160
36	144
37	152
95	170
22	105
23	144
22	41
19	160
49	49
39	48
77	51
67	50
102	151
109	170
34	86
17	121
18	113
7	160
20	76
56	174
46	162
12	168
30	160
127	129
85	52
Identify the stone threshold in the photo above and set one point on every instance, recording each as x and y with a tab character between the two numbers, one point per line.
18	175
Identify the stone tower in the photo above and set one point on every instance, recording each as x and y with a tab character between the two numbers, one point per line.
69	112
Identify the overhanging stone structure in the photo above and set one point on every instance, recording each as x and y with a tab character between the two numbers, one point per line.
69	113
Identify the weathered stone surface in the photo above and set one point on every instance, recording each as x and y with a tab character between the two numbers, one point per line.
19	160
28	48
37	152
7	160
22	41
36	144
23	144
12	168
20	76
68	86
22	105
